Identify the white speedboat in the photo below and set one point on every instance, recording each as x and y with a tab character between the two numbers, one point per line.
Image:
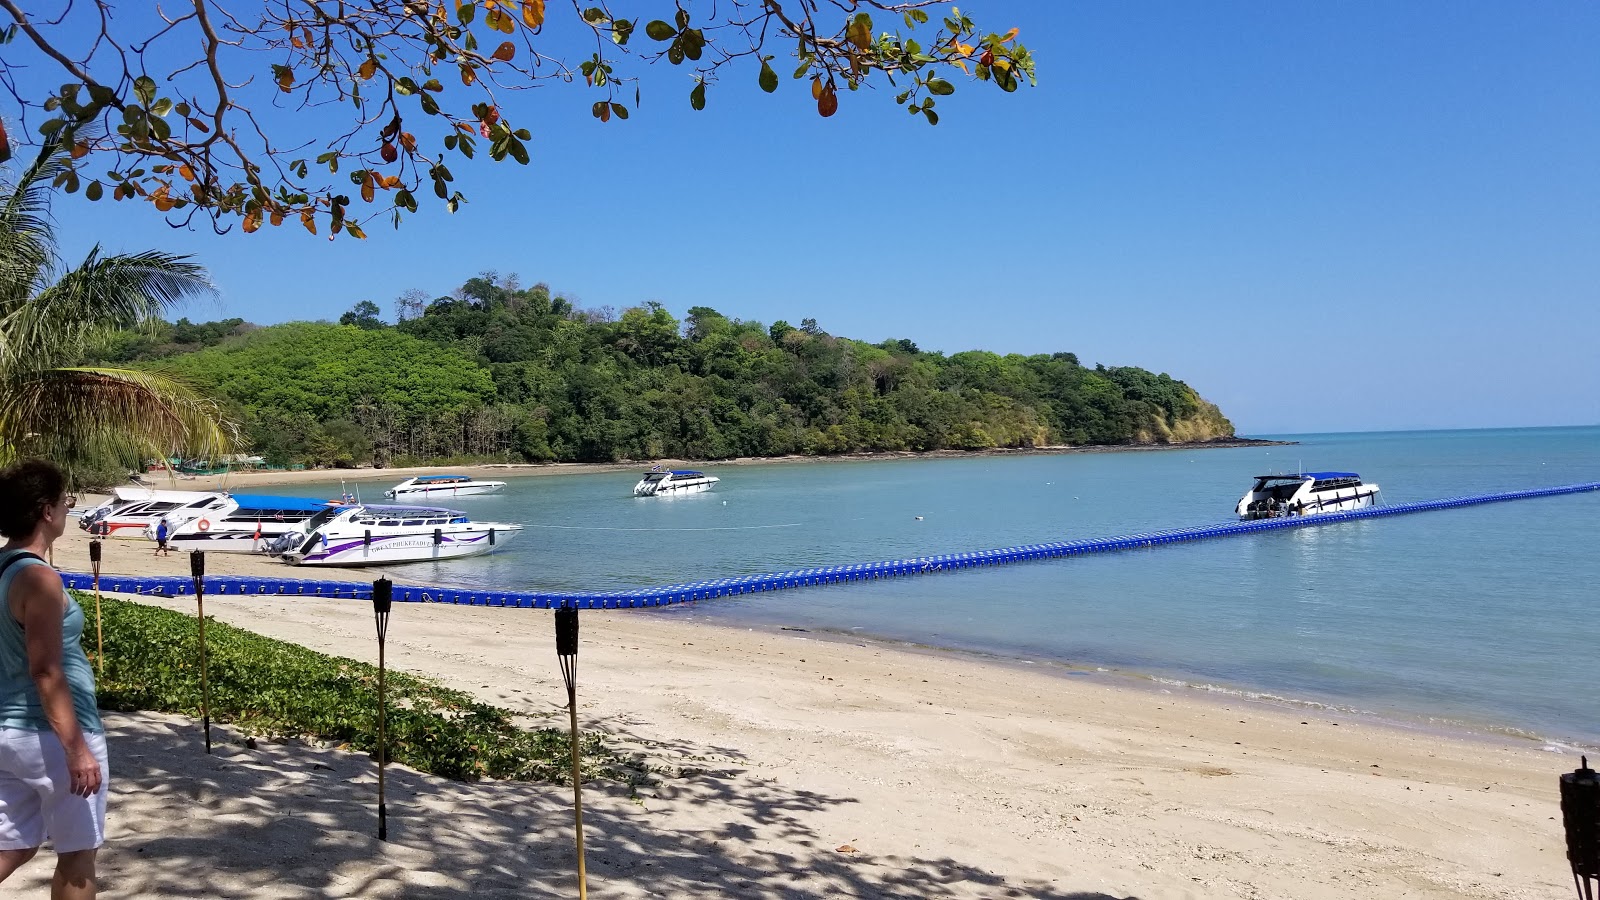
384	535
130	510
433	487
1306	494
245	523
667	484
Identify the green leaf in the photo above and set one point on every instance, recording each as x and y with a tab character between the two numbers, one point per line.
693	43
429	105
465	13
162	106
621	30
519	152
769	78
805	67
932	117
697	97
144	87
940	87
682	18
618	110
660	31
594	15
1004	78
94	190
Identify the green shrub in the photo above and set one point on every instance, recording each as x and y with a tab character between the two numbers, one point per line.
280	690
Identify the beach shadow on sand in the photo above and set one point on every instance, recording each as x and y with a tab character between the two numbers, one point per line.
296	821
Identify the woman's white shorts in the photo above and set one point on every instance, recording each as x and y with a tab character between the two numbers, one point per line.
36	799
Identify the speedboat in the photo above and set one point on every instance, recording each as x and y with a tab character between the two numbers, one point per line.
667	484
429	487
244	523
130	510
381	535
1306	494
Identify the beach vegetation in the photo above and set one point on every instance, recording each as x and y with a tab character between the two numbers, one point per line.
174	111
276	690
53	316
496	371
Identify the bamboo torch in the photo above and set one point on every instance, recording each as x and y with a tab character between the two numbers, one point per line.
197	567
382	599
99	631
567	652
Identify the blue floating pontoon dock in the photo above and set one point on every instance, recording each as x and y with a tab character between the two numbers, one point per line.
666	595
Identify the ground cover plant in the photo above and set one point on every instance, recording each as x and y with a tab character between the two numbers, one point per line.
278	690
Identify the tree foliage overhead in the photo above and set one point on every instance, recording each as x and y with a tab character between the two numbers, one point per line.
171	101
510	373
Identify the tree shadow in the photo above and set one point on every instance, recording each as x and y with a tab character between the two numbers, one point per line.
294	820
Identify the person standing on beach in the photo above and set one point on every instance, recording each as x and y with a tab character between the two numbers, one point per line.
53	770
161	539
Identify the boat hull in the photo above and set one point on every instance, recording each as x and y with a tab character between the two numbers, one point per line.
442	492
357	549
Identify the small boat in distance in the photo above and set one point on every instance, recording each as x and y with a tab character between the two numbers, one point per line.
675	482
1306	494
385	535
428	487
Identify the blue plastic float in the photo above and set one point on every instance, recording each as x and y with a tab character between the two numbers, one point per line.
687	592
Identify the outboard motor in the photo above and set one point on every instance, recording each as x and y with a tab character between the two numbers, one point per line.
283	543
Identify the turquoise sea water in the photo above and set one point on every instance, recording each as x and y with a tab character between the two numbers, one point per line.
1481	616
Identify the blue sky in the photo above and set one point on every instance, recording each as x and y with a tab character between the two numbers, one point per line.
1325	217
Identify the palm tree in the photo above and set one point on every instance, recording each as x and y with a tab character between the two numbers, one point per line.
50	319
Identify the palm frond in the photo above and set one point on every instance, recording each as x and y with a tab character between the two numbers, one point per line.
101	294
104	413
27	243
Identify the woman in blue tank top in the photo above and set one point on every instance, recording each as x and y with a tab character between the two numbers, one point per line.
53	771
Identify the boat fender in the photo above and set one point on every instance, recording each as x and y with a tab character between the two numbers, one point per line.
438	537
368	539
205	525
491	537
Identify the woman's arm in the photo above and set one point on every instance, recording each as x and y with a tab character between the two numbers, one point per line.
39	603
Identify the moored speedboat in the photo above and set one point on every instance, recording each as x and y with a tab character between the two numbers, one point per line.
666	484
130	510
1306	494
432	487
245	523
382	535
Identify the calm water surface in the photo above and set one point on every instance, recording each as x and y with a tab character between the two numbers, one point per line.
1481	616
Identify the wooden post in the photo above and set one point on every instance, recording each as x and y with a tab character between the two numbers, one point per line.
382	599
197	567
567	653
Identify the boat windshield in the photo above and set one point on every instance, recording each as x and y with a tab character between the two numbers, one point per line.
322	518
654	477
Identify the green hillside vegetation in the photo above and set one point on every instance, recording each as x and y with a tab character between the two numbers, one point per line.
494	372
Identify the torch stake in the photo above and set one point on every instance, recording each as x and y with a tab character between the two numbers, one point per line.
567	652
382	599
197	567
1580	811
99	631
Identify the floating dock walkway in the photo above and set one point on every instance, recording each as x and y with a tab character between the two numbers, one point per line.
666	595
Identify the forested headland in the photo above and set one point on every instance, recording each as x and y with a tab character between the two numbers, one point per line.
499	372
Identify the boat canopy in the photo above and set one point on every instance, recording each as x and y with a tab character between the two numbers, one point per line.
1308	476
409	511
270	503
441	479
687	473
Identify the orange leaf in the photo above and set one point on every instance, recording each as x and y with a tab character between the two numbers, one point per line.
368	69
391	181
816	87
308	218
505	51
80	150
286	79
533	13
186	172
605	112
366	189
252	220
408	141
277	217
467	75
1009	36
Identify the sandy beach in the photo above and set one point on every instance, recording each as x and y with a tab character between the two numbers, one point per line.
809	765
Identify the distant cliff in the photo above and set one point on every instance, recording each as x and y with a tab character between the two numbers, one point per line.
504	373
